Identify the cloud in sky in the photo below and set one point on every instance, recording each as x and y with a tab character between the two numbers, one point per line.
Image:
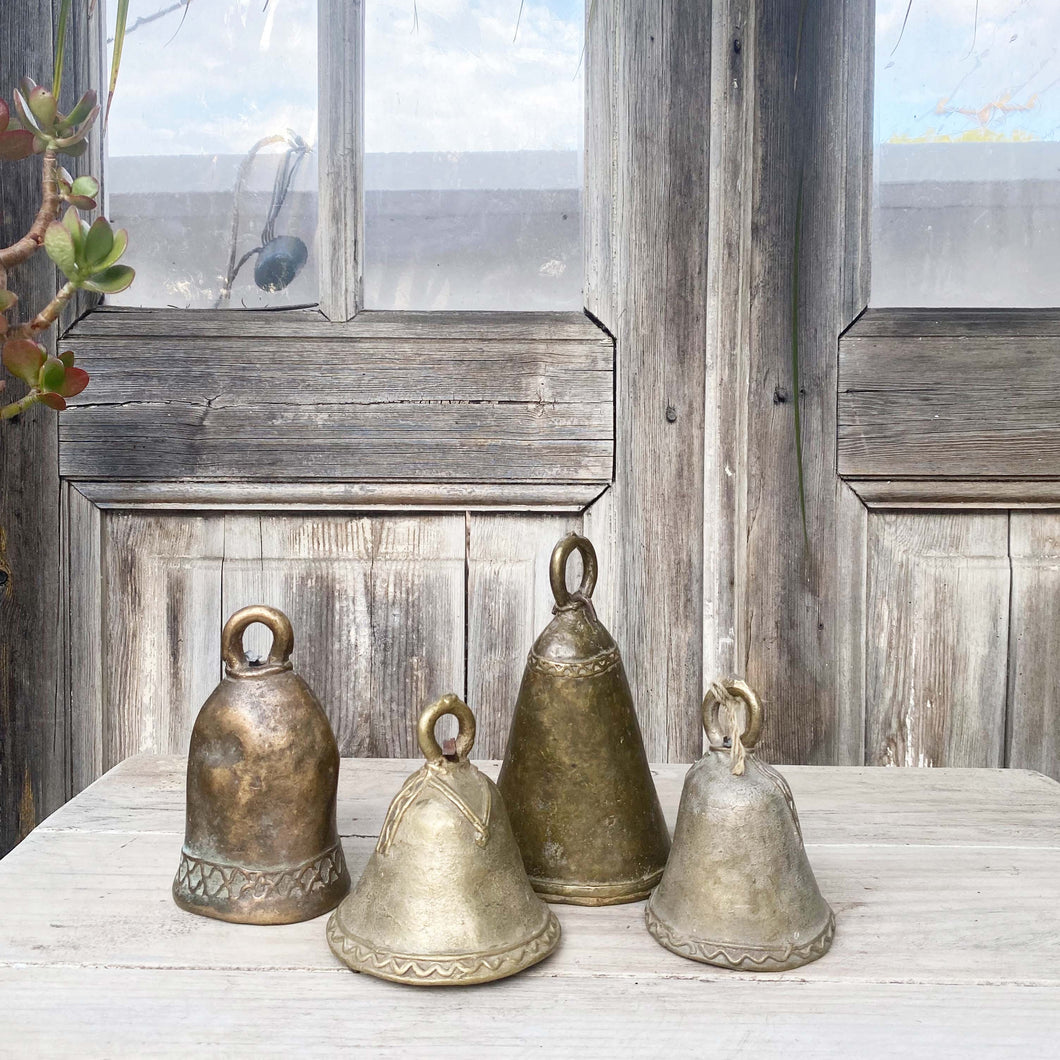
949	52
442	75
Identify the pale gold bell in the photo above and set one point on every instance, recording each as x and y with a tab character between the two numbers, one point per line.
444	898
738	890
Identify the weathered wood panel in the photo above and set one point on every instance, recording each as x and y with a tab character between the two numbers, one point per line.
966	494
377	605
161	620
1034	684
456	405
800	632
647	172
972	397
33	725
937	639
509	602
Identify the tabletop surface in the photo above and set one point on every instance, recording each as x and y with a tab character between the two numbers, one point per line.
945	884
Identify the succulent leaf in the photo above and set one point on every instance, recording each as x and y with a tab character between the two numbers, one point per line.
111	281
59	245
23	358
42	104
52	374
54	401
16	144
7	300
77	228
98	243
67	358
75	380
82	110
121	241
86	185
5	114
74	150
25	116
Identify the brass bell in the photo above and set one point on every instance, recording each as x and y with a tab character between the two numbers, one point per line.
738	890
575	777
444	898
260	844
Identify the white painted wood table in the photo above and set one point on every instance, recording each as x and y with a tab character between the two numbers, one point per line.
946	884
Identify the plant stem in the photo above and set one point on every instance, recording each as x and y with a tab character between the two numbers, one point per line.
27	246
49	314
10	411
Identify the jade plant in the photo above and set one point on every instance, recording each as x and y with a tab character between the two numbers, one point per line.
87	255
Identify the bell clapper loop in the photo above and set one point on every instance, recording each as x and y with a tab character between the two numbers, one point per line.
235	658
557	573
465	739
728	694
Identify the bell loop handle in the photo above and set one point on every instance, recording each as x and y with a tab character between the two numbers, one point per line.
721	692
465	739
558	571
235	658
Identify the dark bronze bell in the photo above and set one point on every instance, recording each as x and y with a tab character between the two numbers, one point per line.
444	898
738	890
260	844
575	777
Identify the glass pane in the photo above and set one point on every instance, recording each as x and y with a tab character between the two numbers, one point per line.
967	131
210	160
473	141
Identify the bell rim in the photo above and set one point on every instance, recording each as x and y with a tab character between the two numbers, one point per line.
738	956
276	906
443	969
560	892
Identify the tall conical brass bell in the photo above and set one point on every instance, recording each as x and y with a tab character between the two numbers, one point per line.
444	898
575	777
260	844
738	890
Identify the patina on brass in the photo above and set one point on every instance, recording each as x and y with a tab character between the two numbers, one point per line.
575	776
738	890
260	845
444	898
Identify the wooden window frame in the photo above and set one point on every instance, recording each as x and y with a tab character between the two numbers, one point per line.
511	410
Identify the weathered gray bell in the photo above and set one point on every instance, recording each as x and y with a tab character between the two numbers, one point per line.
738	890
575	776
444	898
260	842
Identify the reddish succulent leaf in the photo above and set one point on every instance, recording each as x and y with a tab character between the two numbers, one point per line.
23	358
54	401
5	114
75	381
16	144
7	300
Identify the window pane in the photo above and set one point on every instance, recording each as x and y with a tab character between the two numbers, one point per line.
473	141
967	130
210	156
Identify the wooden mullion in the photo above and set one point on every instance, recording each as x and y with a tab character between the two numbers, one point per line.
340	140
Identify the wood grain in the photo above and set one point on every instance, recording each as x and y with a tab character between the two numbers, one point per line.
938	954
1033	732
341	496
800	635
937	625
509	602
956	403
525	407
378	610
647	172
340	142
128	1012
957	494
33	725
377	606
